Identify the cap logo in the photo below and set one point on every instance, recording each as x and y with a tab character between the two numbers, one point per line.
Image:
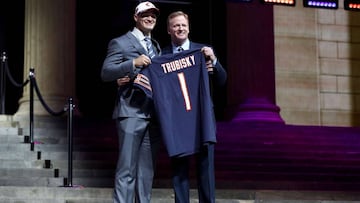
144	6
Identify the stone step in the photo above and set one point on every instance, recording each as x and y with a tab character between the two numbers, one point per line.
11	138
55	172
8	121
26	173
89	173
26	200
13	154
78	194
23	147
32	181
46	132
79	155
243	147
292	145
4	131
103	182
60	164
225	179
246	157
26	163
91	139
49	122
80	164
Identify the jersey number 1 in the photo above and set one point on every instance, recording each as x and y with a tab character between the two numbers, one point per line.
184	91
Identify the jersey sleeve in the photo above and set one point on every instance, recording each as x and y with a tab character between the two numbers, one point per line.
142	81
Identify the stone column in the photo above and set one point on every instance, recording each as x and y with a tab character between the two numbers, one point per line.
251	82
50	50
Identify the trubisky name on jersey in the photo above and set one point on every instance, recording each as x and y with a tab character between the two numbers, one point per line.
178	64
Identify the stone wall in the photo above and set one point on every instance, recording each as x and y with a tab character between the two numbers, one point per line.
317	65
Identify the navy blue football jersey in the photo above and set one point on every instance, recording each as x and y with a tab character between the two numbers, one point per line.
179	87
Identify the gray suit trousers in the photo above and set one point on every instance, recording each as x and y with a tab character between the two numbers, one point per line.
135	166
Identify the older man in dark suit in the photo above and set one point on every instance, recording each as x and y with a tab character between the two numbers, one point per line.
178	29
126	56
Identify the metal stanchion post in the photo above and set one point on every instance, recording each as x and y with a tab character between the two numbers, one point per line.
32	75
3	82
70	142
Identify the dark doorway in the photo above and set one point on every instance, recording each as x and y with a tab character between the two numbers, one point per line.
98	23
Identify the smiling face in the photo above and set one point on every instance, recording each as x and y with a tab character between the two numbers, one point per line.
145	21
178	28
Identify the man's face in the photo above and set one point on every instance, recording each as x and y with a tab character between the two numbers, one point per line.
145	21
178	29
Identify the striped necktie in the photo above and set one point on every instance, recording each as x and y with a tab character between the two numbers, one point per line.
180	49
149	47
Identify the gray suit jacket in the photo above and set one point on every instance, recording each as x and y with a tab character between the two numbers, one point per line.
131	102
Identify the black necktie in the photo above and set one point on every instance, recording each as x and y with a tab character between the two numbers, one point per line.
149	47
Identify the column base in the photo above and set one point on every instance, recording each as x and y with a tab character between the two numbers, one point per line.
258	110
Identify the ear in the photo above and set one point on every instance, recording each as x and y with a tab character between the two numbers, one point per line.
135	18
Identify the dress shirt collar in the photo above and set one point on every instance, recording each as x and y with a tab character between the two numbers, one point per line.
140	36
185	46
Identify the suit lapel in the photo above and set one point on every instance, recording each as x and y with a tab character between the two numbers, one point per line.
136	43
156	46
194	45
167	50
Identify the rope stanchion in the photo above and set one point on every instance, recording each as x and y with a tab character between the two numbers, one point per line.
68	108
4	71
33	86
59	113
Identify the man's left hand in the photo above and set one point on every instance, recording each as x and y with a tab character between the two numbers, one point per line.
123	81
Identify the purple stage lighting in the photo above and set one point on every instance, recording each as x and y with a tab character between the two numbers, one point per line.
331	4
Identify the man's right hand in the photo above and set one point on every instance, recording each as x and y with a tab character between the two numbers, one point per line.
142	60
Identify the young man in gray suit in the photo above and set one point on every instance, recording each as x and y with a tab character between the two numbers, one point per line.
138	144
178	29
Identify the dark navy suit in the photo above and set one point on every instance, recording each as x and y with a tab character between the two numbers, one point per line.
204	158
138	142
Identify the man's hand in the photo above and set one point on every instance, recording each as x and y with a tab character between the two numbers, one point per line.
210	58
141	60
123	81
208	53
209	66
